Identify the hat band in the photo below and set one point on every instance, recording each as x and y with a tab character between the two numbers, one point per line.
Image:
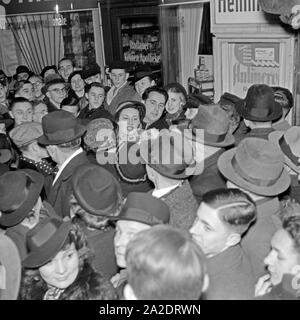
214	137
286	149
139	215
256	181
61	134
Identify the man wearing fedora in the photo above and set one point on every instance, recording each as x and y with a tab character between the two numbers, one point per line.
141	211
55	90
223	217
256	166
214	124
169	162
21	205
10	269
65	68
62	138
121	89
96	198
288	142
22	73
259	109
143	78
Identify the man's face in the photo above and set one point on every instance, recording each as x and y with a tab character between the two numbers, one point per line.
39	112
125	231
118	77
22	112
63	269
95	97
26	91
3	92
143	84
65	69
95	78
37	86
77	83
155	105
209	231
57	93
282	258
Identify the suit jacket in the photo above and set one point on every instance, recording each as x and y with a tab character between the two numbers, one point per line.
257	241
209	179
60	192
230	276
125	93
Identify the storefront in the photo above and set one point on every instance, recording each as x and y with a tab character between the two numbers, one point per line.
40	32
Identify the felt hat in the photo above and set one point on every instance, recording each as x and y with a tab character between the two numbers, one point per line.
19	192
144	208
96	190
118	64
10	269
141	72
259	104
22	69
52	79
45	240
45	69
60	127
256	165
213	124
74	73
170	154
289	144
26	133
90	70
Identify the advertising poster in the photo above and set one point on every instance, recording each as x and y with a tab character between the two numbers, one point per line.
251	63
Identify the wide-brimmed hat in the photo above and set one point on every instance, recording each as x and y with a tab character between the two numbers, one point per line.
256	165
289	144
259	104
45	240
214	123
52	79
45	69
10	268
141	72
119	64
100	134
170	154
96	190
90	70
60	127
144	208
18	189
22	69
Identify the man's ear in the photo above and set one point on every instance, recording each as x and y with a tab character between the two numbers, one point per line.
128	293
205	283
48	94
127	75
11	114
233	239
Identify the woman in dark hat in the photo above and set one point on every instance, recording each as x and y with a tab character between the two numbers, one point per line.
175	106
58	265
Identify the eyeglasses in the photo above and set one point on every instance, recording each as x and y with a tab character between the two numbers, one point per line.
58	90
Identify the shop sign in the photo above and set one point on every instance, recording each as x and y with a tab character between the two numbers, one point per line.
253	63
238	11
13	7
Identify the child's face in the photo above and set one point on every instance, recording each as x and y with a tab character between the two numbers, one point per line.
95	97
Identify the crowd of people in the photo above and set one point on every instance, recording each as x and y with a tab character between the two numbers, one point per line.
138	191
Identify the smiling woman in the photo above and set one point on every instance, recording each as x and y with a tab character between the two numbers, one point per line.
57	266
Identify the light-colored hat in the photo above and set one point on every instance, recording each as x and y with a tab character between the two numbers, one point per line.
255	165
26	133
289	144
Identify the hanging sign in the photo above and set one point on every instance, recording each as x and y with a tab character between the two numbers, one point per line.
13	7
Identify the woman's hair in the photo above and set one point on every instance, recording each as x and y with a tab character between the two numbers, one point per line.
140	107
292	226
